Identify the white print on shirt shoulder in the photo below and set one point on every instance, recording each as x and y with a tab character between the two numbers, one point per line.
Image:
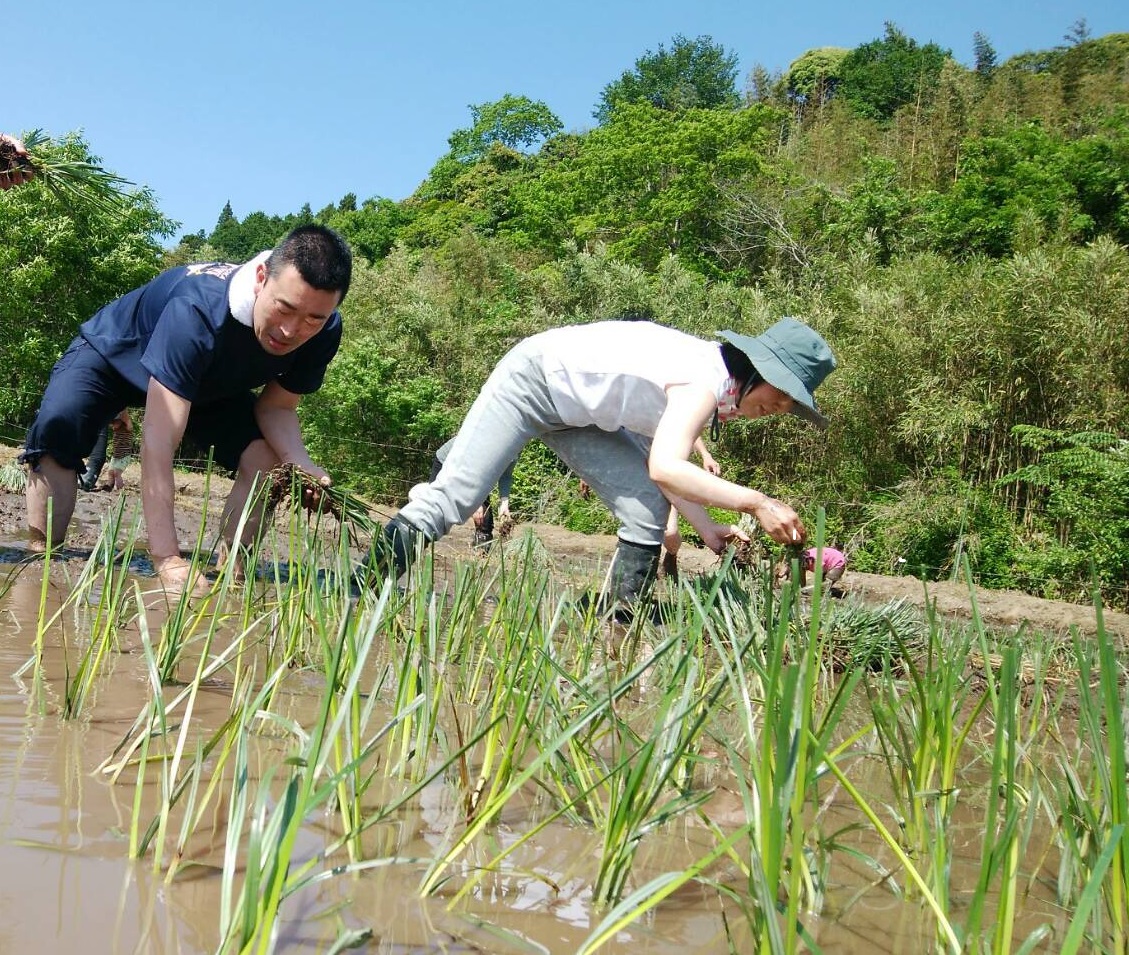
221	270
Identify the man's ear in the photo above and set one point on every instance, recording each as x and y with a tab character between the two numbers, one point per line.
260	277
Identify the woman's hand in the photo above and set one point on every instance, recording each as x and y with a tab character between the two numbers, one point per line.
779	521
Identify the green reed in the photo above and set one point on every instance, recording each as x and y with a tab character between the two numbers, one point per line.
780	747
263	829
922	723
1012	807
107	572
497	687
1093	799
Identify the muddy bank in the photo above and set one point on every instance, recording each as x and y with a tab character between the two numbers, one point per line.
584	553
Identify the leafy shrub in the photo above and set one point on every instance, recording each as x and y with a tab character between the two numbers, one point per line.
1077	493
372	426
926	526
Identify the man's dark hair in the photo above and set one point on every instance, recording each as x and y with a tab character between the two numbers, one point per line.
320	255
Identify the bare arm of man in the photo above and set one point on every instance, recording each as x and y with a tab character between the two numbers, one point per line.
166	416
277	415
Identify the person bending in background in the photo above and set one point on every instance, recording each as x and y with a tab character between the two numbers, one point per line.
833	562
672	538
121	450
95	461
621	403
191	346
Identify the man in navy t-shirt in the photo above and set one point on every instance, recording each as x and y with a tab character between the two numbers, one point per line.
191	347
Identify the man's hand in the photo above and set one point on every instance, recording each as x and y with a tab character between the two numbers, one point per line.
312	497
176	577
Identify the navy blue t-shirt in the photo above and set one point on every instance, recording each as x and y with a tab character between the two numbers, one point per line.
178	329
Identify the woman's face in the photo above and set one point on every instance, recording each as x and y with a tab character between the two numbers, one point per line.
764	399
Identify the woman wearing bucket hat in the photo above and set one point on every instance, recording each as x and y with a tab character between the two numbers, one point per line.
621	403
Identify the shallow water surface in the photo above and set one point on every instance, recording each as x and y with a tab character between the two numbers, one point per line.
67	882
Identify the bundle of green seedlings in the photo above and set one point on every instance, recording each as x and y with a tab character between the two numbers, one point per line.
73	181
288	484
12	477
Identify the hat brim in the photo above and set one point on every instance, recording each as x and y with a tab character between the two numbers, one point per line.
772	370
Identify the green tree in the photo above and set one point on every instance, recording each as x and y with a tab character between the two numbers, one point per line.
374	228
468	187
875	214
515	122
648	183
814	76
226	231
692	74
60	263
238	241
1027	183
881	76
984	54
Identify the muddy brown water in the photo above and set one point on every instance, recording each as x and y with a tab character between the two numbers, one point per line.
67	884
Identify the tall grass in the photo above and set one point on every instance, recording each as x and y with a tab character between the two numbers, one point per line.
1094	797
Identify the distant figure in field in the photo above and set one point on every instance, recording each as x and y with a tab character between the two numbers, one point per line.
121	450
834	565
483	516
95	461
672	538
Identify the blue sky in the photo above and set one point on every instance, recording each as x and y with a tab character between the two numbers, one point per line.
271	105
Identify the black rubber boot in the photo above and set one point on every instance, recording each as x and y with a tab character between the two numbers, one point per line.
634	570
390	555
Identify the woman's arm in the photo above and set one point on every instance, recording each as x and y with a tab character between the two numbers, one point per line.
688	409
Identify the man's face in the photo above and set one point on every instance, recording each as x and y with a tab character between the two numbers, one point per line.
764	399
288	312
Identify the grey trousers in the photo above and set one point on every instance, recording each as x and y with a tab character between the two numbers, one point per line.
514	407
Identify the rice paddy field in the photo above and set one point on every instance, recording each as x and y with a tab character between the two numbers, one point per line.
480	762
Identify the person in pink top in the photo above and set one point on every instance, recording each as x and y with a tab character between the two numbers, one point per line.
834	565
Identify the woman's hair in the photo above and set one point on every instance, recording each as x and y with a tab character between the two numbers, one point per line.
741	369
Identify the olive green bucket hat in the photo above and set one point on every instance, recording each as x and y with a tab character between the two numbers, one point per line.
792	357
